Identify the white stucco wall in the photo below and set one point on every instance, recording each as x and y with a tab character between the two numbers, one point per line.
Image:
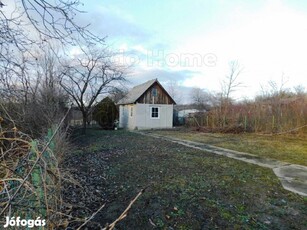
141	116
144	120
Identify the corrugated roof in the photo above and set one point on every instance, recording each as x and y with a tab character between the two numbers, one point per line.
136	92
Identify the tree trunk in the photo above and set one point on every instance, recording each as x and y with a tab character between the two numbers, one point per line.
84	119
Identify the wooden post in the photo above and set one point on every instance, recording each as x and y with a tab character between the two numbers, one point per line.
245	123
255	126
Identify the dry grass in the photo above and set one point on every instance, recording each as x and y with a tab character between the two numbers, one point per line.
289	148
30	180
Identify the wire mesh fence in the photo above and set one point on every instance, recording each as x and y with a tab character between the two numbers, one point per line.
30	179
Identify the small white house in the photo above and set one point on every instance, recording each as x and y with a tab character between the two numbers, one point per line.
146	106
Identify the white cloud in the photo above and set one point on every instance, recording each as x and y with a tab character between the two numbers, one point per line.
75	51
267	38
267	43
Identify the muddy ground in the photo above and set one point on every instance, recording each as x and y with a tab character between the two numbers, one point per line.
185	188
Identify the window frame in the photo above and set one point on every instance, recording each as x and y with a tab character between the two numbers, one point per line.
154	92
152	112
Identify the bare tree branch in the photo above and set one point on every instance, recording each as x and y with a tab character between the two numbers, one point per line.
232	83
91	76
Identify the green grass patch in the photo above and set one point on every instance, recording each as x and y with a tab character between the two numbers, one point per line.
187	188
288	148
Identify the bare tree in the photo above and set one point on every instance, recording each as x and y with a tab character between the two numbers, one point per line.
197	96
174	91
30	25
28	28
91	75
26	24
299	90
275	90
116	94
35	98
202	99
231	82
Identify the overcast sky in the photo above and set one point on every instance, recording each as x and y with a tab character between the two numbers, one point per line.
192	42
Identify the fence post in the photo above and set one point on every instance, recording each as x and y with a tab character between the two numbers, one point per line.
245	123
37	180
255	125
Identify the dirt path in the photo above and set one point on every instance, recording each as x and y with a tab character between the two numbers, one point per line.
293	177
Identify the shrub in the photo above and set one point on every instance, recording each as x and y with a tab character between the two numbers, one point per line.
105	113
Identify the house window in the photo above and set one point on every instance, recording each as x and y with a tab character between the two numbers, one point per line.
154	112
154	92
131	111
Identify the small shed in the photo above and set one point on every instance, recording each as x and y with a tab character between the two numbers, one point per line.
146	106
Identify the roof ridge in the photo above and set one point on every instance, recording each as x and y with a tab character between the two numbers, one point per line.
136	92
145	83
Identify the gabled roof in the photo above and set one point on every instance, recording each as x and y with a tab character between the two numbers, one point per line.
136	92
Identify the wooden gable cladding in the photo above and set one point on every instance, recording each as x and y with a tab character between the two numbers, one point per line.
155	94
